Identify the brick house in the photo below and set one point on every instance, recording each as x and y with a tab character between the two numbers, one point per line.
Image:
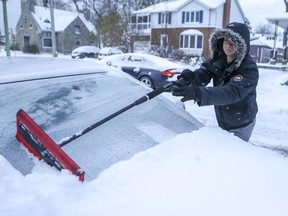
34	27
184	24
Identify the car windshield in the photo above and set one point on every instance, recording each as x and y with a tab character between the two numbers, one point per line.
65	106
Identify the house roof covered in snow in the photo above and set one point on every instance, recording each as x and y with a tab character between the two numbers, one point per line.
259	42
175	5
62	19
266	41
281	18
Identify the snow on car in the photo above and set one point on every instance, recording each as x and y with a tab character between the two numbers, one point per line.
68	96
85	51
152	70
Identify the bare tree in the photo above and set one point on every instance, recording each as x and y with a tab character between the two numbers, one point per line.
247	22
59	4
263	29
76	5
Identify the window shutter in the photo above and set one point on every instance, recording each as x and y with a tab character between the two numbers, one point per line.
170	18
201	16
159	18
183	17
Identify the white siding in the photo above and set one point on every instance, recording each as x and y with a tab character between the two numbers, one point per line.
235	13
211	17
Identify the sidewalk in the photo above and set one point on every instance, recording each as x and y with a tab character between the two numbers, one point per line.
278	66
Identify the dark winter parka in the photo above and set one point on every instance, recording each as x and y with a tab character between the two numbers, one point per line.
234	91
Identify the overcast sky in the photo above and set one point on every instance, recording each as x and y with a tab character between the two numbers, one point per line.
258	10
255	10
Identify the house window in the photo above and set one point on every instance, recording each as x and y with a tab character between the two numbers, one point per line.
191	40
192	16
186	41
47	42
77	29
78	43
199	43
164	40
140	22
164	18
187	17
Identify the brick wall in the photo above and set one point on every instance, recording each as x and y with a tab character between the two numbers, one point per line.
174	37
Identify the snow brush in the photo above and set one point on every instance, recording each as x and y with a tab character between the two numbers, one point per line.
34	138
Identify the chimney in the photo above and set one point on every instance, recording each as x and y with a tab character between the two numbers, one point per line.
226	13
27	6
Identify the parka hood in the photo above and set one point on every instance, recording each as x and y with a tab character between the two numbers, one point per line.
238	33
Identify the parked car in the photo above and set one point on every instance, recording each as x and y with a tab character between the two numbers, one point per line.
85	52
69	104
108	51
152	70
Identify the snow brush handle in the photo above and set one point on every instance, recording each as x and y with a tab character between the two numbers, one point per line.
157	92
141	100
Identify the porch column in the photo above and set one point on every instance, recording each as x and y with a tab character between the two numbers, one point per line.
275	39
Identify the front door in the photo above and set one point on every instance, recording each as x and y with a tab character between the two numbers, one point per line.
26	40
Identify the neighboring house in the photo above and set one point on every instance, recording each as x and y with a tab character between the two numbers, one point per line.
262	48
280	20
34	28
185	24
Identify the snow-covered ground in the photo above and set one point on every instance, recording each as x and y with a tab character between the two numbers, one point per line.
205	172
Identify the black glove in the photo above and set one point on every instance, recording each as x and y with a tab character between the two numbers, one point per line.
187	75
187	92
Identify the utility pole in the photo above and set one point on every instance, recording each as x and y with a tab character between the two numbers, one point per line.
54	52
7	43
275	39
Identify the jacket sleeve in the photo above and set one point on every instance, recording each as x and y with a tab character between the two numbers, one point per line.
240	85
203	75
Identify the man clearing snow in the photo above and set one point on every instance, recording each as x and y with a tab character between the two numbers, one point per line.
235	77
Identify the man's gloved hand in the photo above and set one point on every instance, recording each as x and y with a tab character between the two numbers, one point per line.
187	75
187	92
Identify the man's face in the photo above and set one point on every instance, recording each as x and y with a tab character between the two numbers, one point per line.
229	48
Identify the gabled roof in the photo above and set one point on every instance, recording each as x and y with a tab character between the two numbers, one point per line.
62	19
211	3
175	5
281	19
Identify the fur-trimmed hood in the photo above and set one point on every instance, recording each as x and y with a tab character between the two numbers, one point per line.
238	33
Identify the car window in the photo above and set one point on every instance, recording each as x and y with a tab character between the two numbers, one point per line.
65	106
